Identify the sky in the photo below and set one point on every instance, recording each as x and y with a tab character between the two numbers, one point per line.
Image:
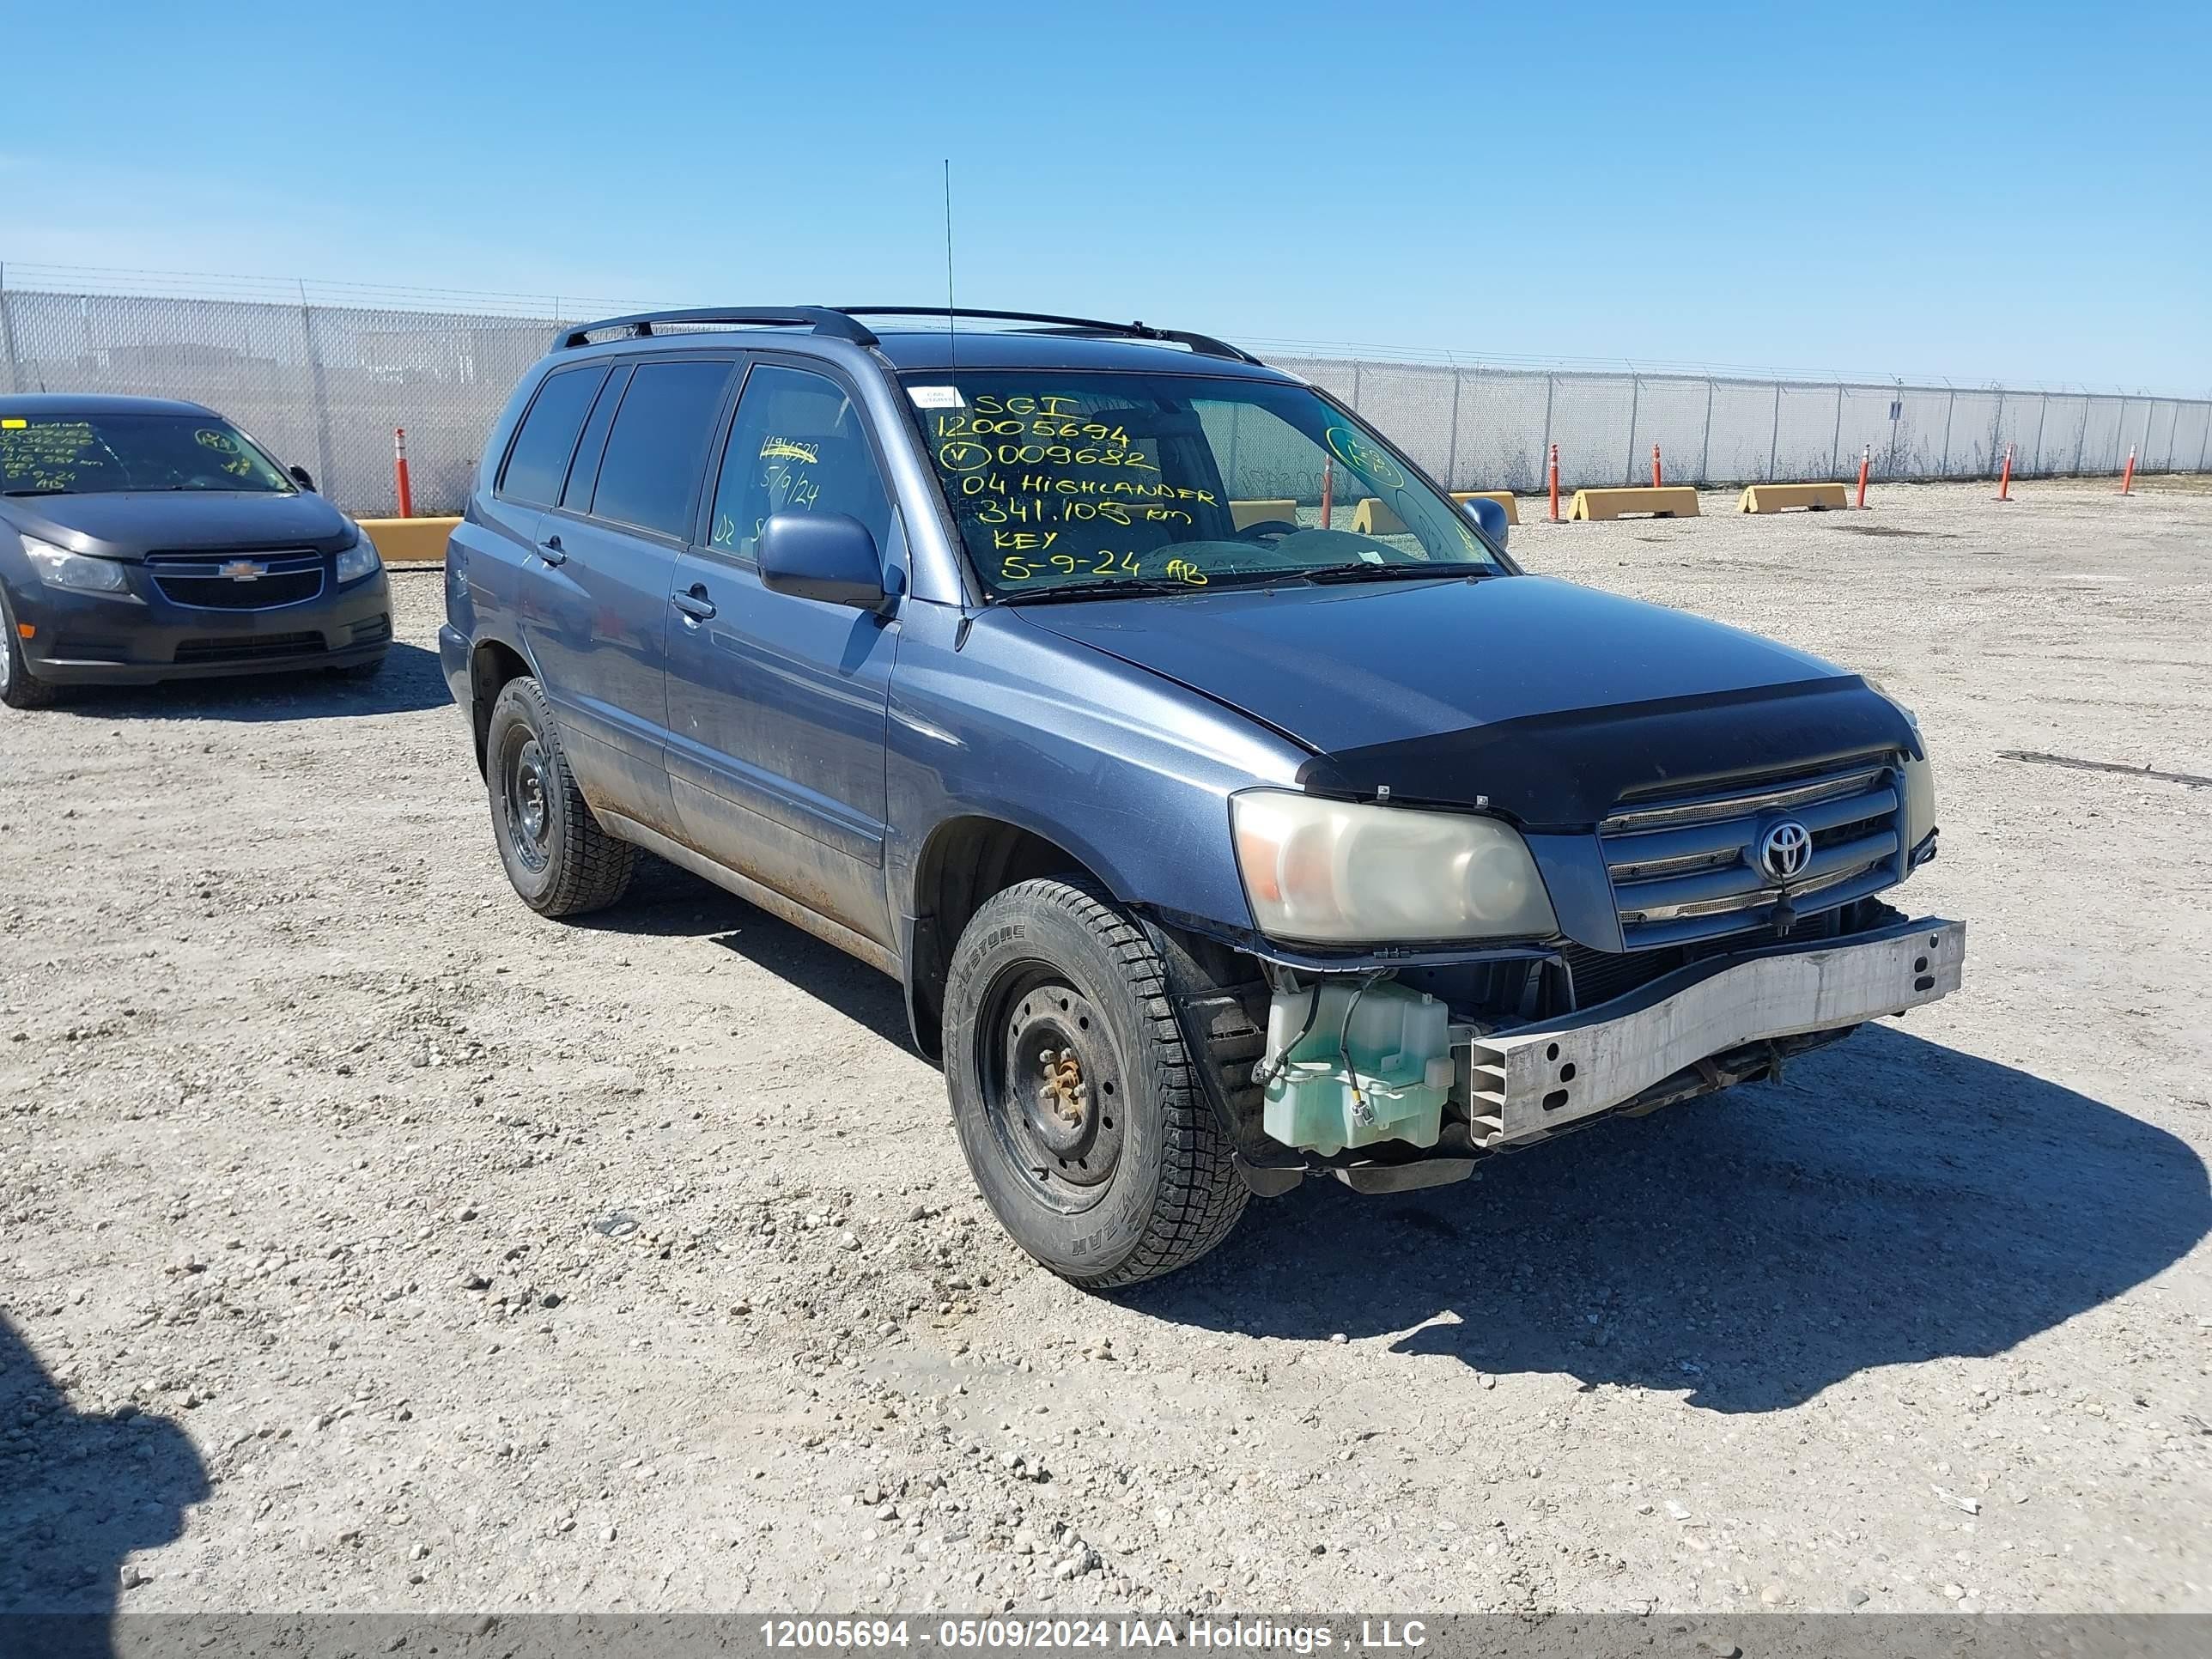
2018	193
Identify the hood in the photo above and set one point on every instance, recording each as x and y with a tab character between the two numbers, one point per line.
128	525
1539	698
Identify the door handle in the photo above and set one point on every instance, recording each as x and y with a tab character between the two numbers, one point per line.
550	550
695	605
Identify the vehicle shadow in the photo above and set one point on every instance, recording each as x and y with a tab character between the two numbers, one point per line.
1891	1200
667	901
85	1492
410	680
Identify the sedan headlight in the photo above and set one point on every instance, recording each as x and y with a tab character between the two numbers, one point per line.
1337	872
360	560
79	573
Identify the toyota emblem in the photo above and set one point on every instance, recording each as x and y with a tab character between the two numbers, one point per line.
1785	850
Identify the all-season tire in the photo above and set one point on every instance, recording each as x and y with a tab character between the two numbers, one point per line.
19	688
1112	1172
559	859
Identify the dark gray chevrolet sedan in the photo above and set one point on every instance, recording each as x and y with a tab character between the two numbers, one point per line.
145	539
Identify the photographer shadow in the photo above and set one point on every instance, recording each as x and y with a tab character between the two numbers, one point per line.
79	1493
1890	1201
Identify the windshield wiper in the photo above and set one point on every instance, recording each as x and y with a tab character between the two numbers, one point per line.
1363	571
40	492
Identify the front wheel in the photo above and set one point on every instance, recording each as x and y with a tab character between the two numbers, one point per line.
19	687
559	859
1077	1105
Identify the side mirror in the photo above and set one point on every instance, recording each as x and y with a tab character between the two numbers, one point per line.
829	556
302	477
1488	514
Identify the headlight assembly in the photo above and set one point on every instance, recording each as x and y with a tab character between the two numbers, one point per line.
1919	776
1338	872
360	560
79	574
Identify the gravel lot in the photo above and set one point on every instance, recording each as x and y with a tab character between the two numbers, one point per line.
367	1243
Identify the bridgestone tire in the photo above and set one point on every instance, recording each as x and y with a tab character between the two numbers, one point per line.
18	689
567	866
1172	1194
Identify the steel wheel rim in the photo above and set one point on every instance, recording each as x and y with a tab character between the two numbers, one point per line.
529	809
7	660
1052	1086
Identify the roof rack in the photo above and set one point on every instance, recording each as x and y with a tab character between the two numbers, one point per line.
640	324
839	322
1204	344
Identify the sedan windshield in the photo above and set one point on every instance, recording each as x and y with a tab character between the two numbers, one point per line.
1066	484
81	454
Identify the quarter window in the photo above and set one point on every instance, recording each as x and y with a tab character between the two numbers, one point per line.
539	460
797	446
658	441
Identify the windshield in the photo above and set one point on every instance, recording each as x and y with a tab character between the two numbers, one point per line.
1065	482
80	454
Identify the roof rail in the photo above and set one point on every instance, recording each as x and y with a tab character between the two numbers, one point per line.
640	325
1204	344
839	321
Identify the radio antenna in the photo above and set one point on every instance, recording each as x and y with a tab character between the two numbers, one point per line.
952	324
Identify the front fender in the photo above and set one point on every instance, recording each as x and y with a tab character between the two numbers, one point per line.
1127	772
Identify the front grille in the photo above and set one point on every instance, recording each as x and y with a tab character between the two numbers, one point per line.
1602	975
1685	868
249	647
242	580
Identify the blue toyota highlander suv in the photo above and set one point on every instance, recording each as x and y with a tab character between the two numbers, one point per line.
1229	804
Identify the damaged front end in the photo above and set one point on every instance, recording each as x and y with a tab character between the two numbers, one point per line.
1702	941
1388	1080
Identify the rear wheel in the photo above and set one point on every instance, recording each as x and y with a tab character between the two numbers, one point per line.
559	859
1077	1103
19	687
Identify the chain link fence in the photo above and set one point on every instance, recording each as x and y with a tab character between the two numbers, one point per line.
324	384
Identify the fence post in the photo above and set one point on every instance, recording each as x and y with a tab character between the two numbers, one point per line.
1705	448
2035	462
1451	453
1943	466
7	337
1550	386
1774	442
1836	443
320	394
1635	397
1355	383
2203	447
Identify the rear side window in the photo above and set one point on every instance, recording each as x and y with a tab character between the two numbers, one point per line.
539	460
658	442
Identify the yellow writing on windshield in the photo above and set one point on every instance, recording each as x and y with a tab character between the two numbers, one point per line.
790	451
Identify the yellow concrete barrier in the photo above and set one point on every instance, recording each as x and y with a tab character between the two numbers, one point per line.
1781	497
1674	502
1503	497
1374	517
410	541
1245	513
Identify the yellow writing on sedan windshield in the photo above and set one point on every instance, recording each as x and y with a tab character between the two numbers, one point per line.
790	451
52	455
